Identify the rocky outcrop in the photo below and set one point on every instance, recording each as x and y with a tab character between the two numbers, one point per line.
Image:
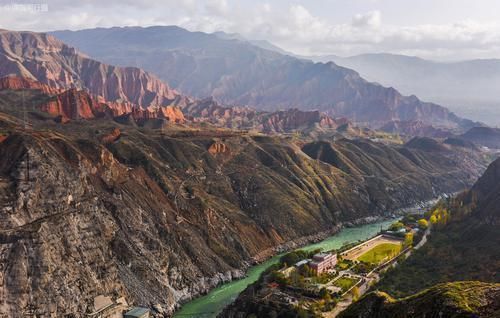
286	121
218	148
41	57
69	104
112	136
16	83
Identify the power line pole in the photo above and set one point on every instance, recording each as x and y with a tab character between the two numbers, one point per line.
26	125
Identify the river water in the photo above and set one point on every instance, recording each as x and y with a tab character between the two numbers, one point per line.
214	302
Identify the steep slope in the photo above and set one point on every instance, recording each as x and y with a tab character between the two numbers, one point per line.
465	249
79	104
458	300
484	136
41	57
237	72
104	208
469	88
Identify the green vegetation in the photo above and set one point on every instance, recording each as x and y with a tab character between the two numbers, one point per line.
459	299
297	256
364	267
343	264
465	250
345	283
396	226
408	241
380	253
423	224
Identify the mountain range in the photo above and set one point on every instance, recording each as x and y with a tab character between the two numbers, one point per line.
102	206
469	88
236	72
113	183
41	57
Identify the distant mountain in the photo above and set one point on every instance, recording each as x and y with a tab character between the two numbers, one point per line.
263	44
237	72
285	121
41	57
484	136
469	88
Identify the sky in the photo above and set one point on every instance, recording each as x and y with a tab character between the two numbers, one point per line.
432	29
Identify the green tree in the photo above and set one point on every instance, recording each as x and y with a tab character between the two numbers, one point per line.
396	226
324	294
355	293
423	224
433	219
408	240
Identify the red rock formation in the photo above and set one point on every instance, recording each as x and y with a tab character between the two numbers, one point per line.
294	119
269	122
112	136
78	104
3	137
218	147
72	104
41	57
15	82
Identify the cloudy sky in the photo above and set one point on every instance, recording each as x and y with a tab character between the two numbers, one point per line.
436	29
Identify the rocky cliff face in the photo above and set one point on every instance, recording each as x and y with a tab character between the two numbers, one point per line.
79	104
237	72
18	83
41	57
160	218
208	110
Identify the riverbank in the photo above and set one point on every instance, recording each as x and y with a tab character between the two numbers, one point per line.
205	304
215	301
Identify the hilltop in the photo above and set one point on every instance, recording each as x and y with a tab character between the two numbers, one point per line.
458	300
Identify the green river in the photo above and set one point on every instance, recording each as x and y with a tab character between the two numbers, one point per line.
214	302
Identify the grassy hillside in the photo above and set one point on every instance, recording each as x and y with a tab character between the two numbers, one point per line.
457	300
467	248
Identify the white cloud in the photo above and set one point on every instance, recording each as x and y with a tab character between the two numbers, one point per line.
217	7
371	19
294	27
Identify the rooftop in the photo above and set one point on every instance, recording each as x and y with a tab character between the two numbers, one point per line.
302	262
322	254
137	312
